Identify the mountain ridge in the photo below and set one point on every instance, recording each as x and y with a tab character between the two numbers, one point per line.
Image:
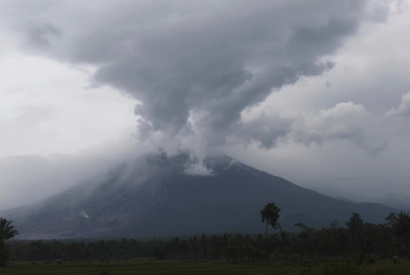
156	196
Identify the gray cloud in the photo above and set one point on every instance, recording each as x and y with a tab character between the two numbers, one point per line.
29	178
41	35
267	130
202	71
346	121
403	110
196	66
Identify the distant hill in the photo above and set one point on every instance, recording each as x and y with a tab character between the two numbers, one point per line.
158	196
396	200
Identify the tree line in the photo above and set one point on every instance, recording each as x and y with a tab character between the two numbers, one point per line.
356	240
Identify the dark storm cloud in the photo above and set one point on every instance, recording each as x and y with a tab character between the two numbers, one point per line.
196	66
220	65
266	130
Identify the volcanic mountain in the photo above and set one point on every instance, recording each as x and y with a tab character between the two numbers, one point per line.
163	195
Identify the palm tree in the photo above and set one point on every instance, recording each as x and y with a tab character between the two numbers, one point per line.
259	244
306	236
224	242
194	243
248	246
7	231
102	247
214	241
204	244
88	250
270	215
73	250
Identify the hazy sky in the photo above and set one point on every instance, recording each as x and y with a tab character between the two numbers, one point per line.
314	91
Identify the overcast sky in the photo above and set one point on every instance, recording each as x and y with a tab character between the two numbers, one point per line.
317	91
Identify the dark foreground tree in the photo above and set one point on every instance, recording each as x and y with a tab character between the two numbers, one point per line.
355	227
7	232
307	240
4	253
270	215
400	223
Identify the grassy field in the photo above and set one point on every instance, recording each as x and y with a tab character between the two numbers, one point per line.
180	267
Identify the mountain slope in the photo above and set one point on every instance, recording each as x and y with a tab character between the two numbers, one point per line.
157	197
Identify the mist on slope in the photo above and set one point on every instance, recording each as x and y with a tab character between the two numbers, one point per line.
28	179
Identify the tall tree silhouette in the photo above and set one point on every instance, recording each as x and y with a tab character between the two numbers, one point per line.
270	215
355	225
102	247
400	223
204	244
7	231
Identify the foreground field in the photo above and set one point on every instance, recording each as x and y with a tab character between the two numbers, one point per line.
180	267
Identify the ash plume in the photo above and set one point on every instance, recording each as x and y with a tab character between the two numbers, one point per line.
196	67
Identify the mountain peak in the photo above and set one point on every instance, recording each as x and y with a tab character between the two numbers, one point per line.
162	195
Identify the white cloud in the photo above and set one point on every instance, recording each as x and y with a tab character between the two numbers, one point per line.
199	169
47	107
403	110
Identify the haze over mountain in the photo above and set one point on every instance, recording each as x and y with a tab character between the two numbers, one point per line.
164	195
316	92
396	200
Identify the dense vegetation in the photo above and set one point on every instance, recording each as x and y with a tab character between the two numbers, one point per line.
356	241
180	267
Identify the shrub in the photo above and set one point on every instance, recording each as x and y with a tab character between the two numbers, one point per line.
397	260
371	259
105	272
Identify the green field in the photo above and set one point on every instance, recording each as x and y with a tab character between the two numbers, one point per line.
181	267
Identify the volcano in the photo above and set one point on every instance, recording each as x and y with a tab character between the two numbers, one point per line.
162	195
